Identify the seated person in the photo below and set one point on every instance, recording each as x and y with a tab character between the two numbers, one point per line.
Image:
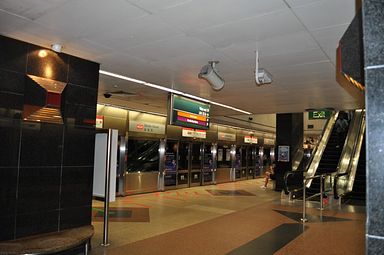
269	174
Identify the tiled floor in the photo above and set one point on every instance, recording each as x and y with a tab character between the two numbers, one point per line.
231	218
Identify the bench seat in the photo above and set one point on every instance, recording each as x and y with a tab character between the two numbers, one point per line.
48	243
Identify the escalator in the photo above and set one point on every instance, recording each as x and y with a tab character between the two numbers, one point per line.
358	194
350	181
330	158
308	163
337	157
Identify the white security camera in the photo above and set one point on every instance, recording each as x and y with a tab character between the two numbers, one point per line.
211	75
262	76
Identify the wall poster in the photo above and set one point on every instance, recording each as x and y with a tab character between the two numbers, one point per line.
283	153
220	155
227	155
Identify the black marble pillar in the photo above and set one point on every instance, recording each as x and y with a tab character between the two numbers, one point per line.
289	132
46	169
373	29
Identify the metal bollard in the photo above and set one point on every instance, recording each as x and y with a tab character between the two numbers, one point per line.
321	192
107	185
304	219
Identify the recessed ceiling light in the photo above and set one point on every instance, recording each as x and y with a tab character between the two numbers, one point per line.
156	86
57	47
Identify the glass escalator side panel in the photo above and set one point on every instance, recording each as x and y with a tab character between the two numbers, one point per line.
143	155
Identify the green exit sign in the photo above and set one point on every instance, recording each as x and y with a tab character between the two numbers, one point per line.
319	115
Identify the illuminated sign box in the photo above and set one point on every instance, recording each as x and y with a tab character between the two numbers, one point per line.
250	139
190	113
190	132
318	115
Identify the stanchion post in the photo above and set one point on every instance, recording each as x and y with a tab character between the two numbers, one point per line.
304	219
107	187
321	192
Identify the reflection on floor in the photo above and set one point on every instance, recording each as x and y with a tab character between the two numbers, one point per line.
236	192
231	218
122	214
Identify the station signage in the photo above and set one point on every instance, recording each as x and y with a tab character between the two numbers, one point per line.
250	139
319	115
146	127
194	133
189	113
226	136
99	121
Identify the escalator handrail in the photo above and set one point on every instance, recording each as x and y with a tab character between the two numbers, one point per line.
318	153
337	176
286	175
355	154
305	168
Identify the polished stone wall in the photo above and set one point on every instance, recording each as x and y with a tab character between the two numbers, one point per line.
289	131
46	170
373	27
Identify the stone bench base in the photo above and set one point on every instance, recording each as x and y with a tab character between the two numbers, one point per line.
49	243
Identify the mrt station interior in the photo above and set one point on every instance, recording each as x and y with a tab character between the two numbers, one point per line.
191	127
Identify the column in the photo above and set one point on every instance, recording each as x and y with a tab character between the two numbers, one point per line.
373	36
289	132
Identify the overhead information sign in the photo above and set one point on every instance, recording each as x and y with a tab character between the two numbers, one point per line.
194	133
250	139
189	113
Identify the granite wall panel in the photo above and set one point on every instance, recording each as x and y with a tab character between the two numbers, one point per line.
46	170
373	29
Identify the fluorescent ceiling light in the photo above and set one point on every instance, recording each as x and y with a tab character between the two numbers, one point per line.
155	86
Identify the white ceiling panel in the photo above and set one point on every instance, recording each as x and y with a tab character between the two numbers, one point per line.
280	45
296	58
79	18
251	29
89	49
327	13
136	68
10	23
329	38
155	6
295	3
30	9
169	48
167	42
201	14
285	44
139	31
307	71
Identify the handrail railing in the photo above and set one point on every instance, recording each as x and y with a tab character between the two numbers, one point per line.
312	168
335	192
288	188
315	153
347	171
321	193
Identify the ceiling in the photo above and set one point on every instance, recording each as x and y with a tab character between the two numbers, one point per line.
166	42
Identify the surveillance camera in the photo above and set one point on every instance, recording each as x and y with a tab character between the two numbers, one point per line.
262	77
210	74
107	95
250	118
